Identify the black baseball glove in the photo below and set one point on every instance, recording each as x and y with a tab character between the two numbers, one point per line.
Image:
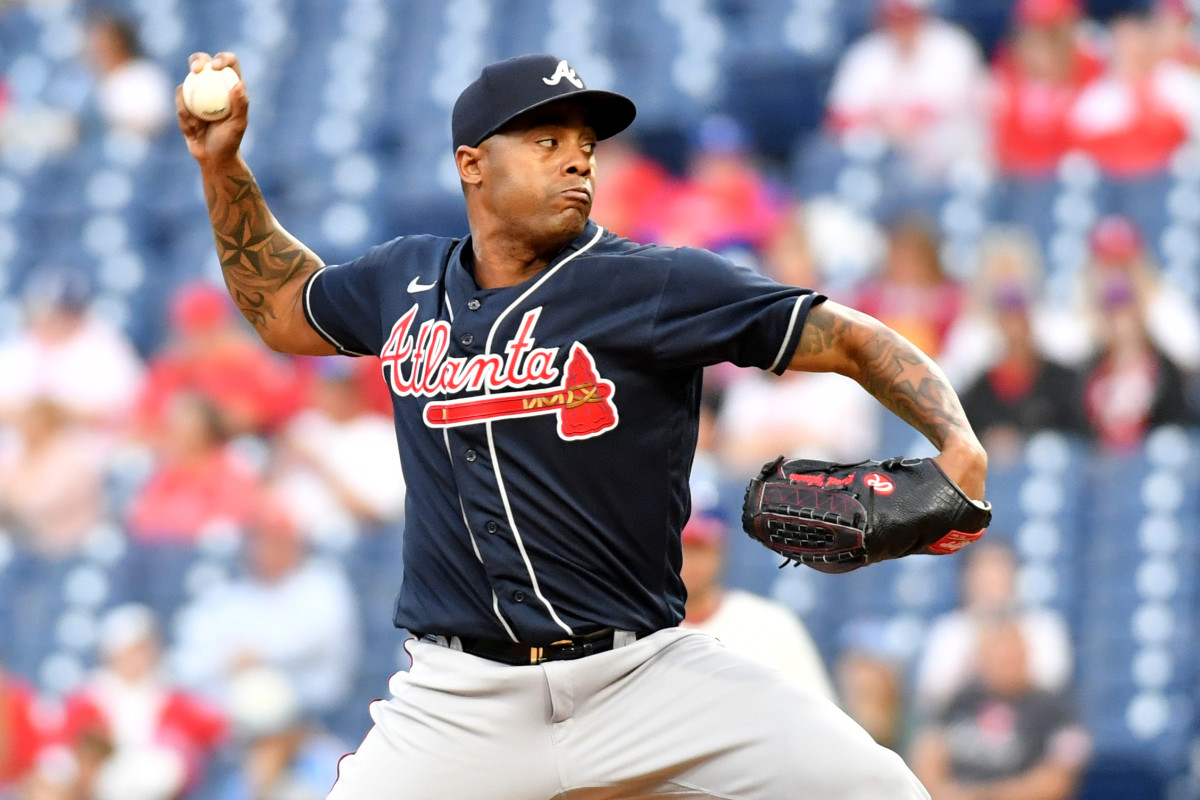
839	517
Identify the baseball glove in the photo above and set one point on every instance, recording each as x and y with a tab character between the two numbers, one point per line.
839	517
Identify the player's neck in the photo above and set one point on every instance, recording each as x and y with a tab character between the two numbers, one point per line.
502	259
498	267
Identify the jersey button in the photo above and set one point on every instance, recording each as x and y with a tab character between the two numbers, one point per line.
471	455
473	304
492	527
467	339
519	596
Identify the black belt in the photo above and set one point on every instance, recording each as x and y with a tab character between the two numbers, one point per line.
518	654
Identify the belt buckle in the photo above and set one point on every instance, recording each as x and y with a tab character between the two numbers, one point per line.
538	655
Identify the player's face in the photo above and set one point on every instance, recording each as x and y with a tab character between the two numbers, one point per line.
538	176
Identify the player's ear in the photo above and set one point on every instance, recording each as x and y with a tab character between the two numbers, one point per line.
468	161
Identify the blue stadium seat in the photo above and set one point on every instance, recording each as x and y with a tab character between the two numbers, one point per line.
780	100
1118	776
987	20
156	574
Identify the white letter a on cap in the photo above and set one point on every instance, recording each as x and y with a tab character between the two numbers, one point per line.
563	71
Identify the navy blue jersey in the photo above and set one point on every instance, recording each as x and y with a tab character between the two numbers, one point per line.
547	429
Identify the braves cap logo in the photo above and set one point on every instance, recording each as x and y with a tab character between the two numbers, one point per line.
563	70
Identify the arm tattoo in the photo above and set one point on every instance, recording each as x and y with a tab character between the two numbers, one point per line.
258	257
895	372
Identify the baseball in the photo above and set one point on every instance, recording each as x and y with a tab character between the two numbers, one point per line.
206	93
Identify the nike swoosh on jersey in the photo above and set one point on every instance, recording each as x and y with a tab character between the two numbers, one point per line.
415	286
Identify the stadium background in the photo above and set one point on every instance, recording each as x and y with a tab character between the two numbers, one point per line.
349	140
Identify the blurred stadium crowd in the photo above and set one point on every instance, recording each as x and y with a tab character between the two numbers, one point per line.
200	540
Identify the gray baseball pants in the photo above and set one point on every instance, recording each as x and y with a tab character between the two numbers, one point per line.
671	715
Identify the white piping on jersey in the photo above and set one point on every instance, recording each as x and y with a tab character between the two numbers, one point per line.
312	318
791	326
533	581
462	510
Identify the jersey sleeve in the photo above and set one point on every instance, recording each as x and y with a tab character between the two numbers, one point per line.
342	303
712	310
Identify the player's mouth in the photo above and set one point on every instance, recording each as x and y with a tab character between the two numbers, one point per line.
581	194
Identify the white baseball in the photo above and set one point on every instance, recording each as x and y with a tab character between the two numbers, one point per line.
206	93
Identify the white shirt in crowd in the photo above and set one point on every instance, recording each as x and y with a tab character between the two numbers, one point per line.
770	634
939	87
306	625
95	373
136	98
758	419
360	454
949	660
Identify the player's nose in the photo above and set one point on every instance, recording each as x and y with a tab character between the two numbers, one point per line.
579	161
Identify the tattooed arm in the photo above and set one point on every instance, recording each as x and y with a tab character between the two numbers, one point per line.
840	339
265	267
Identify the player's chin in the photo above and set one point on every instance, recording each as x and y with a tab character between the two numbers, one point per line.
574	217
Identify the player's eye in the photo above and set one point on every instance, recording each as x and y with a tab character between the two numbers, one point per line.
547	142
590	148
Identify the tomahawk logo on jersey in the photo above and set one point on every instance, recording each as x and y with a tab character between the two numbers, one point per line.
419	366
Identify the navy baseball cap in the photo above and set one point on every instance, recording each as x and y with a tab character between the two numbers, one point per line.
509	88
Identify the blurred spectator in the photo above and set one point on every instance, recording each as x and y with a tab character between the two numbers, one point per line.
912	294
787	256
758	418
147	773
952	657
289	610
723	201
197	482
1009	262
870	678
20	736
633	190
918	82
64	772
1036	78
211	353
56	775
1132	386
1119	255
81	363
339	469
1003	737
133	94
1173	23
806	415
1021	392
130	703
759	629
1132	119
284	754
52	481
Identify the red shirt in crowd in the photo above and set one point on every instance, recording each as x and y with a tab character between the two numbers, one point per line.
1030	130
1133	127
181	722
181	499
255	390
20	736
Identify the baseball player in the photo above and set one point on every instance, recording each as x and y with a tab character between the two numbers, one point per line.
545	376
